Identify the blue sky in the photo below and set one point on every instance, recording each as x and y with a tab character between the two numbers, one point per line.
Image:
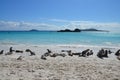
58	14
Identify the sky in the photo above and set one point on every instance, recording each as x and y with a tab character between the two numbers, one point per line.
59	14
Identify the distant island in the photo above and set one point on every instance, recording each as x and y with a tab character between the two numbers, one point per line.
33	30
79	30
92	29
68	30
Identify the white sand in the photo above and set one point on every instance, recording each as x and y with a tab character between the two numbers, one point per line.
58	68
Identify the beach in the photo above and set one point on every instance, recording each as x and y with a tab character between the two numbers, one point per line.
58	68
59	39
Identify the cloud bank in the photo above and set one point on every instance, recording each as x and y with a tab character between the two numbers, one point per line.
12	25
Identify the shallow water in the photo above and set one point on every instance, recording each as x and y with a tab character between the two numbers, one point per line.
49	37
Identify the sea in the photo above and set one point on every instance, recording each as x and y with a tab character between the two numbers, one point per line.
60	38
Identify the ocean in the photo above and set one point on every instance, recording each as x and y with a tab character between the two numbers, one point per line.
60	38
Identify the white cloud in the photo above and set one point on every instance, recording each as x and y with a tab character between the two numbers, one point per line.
111	26
59	20
8	23
90	24
11	25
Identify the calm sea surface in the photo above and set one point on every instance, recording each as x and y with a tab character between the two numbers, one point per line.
49	38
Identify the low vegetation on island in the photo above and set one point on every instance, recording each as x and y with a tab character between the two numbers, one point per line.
79	30
75	30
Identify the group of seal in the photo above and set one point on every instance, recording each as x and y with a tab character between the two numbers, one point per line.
103	53
51	54
11	51
84	53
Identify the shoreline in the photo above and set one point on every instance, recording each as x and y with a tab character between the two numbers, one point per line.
60	45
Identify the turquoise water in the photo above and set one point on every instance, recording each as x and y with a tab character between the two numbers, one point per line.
46	38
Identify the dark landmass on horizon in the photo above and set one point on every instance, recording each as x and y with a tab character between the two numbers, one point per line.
65	30
68	30
79	30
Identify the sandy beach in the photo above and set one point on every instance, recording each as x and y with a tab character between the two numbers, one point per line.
58	68
59	39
